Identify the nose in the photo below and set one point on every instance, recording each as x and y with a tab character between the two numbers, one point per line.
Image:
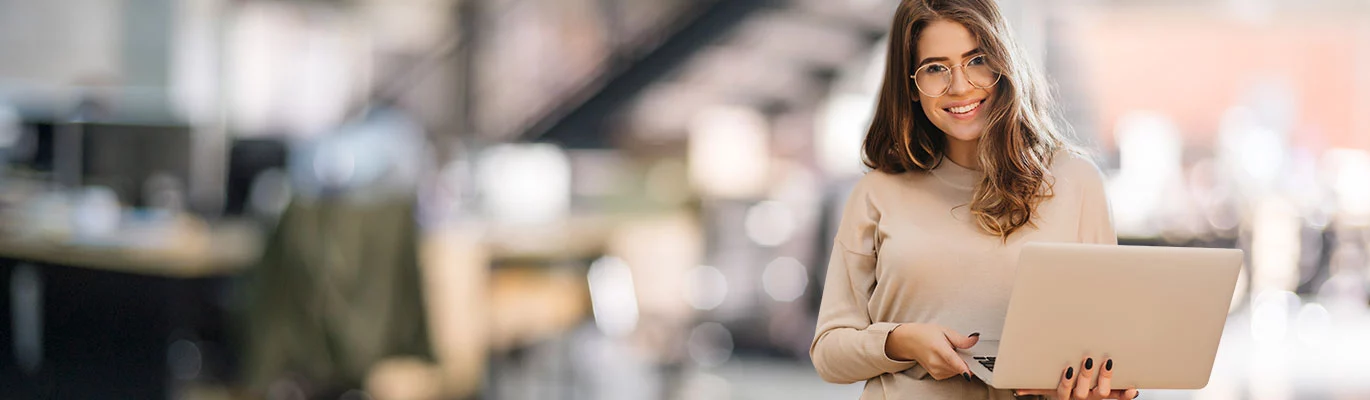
959	83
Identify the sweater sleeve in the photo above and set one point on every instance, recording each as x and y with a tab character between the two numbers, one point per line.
847	346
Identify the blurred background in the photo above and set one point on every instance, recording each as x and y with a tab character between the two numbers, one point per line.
604	199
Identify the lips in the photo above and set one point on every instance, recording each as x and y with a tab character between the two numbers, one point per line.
964	106
964	109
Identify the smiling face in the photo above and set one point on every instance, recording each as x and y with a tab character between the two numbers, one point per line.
961	111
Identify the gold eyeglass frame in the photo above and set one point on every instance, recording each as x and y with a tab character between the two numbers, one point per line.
950	76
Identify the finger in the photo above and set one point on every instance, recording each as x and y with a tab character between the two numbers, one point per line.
1034	392
1128	394
939	372
940	368
955	362
945	365
961	342
1086	381
1068	378
1105	378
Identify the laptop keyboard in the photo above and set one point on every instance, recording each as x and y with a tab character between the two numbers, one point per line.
988	362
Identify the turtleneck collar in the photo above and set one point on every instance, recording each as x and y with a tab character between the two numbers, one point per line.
957	176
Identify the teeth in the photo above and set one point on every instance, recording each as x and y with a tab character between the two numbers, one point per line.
964	109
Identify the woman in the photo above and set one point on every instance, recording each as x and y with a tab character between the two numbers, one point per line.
967	167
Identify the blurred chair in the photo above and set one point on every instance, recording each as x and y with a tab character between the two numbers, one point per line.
339	288
337	291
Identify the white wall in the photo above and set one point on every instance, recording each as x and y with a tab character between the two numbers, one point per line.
59	42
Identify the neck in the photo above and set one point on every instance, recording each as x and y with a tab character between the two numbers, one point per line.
963	153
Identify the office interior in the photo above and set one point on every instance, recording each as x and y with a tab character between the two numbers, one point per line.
605	199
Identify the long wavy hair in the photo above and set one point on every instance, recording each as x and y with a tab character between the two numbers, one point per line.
1020	138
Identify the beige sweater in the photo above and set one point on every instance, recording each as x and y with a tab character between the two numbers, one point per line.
908	251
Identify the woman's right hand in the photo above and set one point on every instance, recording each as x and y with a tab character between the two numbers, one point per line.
1094	381
932	346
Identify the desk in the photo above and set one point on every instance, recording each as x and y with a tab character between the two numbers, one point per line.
109	314
198	251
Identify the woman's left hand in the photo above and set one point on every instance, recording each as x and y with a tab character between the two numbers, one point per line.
1093	382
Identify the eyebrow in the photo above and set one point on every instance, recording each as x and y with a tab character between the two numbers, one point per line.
963	55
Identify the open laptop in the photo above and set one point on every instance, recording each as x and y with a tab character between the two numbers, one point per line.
1158	312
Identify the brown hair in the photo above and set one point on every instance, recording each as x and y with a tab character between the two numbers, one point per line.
1019	139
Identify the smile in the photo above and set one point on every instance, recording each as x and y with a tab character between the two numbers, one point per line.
966	108
965	111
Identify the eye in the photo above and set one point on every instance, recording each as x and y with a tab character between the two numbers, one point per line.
935	68
978	60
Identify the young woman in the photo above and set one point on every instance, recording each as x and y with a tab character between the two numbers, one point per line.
967	167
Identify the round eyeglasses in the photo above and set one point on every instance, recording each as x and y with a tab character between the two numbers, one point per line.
934	79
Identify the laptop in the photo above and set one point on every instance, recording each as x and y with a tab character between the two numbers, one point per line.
1158	312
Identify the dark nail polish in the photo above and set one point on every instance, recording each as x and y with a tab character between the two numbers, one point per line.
966	375
1089	363
1070	373
974	334
1139	394
1109	365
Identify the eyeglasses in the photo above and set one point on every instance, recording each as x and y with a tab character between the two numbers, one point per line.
934	79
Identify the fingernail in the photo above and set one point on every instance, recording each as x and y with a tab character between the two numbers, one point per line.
1089	363
1139	394
966	375
1109	365
1070	373
974	334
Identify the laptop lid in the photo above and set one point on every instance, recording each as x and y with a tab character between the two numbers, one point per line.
1158	312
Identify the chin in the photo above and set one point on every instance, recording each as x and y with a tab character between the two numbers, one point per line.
966	134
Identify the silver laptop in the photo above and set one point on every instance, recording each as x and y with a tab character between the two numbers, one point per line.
1158	312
